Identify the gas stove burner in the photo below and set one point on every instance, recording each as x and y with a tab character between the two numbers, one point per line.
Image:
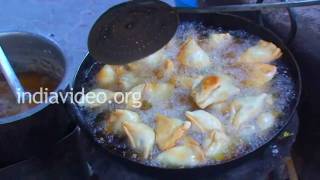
131	31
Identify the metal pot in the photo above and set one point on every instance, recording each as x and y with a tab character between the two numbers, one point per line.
36	129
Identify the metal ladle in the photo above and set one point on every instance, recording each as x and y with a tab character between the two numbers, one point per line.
10	76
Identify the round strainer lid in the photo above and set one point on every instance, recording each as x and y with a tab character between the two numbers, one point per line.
131	31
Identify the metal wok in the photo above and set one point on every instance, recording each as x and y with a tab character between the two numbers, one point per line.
213	20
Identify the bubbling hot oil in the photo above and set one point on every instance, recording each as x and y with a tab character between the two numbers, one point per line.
281	88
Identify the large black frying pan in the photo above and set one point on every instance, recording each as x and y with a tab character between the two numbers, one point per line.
227	22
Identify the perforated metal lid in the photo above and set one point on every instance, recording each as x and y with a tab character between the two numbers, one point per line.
131	31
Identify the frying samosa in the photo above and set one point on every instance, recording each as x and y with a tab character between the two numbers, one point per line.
249	107
191	55
213	89
106	76
262	52
169	131
187	155
117	117
141	137
217	40
259	74
216	145
204	121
